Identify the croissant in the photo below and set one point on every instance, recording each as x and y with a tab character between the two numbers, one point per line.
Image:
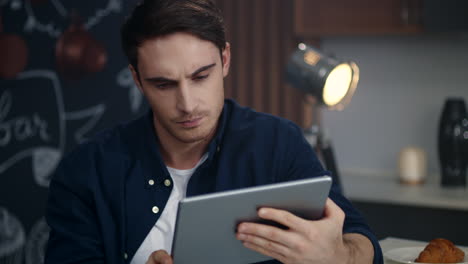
441	250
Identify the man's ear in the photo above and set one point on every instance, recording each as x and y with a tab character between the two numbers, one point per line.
226	56
136	78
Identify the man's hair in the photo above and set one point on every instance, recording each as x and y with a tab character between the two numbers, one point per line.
156	18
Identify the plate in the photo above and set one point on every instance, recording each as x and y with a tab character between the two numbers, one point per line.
409	254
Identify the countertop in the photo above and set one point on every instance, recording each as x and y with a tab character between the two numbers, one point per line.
387	189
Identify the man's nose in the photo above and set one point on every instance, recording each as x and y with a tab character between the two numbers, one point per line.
186	101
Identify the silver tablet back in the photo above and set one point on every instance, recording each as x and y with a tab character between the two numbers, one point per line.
206	224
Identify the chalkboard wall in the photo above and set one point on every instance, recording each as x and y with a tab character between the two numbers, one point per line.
46	109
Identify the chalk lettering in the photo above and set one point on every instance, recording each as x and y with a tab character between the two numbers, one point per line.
19	128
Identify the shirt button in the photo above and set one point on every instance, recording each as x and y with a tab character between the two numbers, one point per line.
125	256
218	149
167	182
151	182
155	209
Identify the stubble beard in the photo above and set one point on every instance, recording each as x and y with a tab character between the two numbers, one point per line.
204	132
194	134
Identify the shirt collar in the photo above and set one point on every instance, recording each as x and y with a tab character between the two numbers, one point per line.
215	145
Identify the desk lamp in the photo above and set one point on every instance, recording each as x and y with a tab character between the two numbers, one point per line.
328	82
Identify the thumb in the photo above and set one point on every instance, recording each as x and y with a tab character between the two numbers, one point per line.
333	212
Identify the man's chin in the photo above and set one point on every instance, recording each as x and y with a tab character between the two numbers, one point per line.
191	139
192	136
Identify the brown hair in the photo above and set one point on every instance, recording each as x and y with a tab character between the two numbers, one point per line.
155	18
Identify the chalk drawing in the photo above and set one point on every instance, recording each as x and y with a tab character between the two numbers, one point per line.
53	30
36	243
33	24
124	79
94	114
20	128
44	161
17	130
112	6
59	7
12	238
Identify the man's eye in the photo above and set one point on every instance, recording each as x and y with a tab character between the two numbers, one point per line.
163	85
201	77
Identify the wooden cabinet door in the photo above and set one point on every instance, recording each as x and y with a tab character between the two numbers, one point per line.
338	17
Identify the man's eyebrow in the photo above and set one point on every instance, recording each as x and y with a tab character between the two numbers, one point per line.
164	79
159	79
202	69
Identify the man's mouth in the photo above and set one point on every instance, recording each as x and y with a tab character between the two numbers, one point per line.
189	123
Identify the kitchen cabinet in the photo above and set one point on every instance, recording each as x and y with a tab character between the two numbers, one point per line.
317	18
414	222
420	212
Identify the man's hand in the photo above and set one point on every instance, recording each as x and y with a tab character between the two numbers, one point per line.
159	257
305	241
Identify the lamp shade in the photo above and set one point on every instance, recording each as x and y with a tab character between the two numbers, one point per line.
330	80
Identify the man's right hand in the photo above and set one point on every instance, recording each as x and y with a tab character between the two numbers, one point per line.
159	257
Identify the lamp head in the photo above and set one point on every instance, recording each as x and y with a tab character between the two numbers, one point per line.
331	81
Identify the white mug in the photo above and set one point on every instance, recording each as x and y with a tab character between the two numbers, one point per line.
412	165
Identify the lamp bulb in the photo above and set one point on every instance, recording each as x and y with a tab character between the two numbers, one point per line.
337	84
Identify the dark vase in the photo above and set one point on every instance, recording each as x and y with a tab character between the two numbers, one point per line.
452	143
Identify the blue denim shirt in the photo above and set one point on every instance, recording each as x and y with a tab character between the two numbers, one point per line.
100	205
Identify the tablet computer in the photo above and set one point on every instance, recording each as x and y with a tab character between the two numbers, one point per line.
206	224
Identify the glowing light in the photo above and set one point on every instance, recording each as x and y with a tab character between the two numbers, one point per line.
302	46
337	84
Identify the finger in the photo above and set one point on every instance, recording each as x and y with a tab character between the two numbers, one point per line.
267	232
283	217
159	257
265	252
264	243
333	212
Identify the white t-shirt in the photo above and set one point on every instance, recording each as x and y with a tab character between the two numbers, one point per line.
162	233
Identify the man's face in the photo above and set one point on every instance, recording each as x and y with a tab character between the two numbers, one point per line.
182	78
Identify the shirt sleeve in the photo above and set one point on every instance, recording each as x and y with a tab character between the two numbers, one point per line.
303	163
74	234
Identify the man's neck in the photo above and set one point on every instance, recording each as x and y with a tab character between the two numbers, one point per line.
181	155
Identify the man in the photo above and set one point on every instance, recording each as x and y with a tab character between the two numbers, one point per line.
114	199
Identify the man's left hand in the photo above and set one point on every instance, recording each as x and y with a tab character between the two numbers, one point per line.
304	241
159	257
